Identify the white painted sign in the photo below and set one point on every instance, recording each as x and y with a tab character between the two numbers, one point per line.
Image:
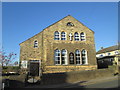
24	64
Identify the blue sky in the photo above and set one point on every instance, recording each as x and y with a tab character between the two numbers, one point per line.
21	21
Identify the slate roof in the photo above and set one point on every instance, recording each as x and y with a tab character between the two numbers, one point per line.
112	48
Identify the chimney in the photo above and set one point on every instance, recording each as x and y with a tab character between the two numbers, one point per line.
101	48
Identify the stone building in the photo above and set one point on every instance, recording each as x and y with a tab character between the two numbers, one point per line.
66	45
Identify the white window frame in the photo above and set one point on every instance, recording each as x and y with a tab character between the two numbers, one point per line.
56	35
65	57
86	60
56	56
63	36
77	55
82	36
35	44
76	37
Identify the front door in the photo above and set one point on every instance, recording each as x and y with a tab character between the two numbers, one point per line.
34	67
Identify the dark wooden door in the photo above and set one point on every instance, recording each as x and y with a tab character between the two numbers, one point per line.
34	68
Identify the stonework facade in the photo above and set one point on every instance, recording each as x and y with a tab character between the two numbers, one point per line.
58	51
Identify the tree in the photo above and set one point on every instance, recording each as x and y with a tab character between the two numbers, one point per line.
6	59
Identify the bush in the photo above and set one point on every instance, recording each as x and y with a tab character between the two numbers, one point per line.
10	69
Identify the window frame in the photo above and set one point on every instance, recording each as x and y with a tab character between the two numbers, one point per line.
35	44
63	35
82	37
64	56
76	36
57	57
70	24
78	55
56	35
85	56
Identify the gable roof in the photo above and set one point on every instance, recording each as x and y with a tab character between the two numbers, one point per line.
55	23
112	48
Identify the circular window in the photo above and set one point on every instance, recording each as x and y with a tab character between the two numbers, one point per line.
70	24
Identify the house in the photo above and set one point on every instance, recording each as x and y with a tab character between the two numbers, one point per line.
108	56
64	46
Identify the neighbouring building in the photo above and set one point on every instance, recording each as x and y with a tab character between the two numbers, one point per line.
108	56
64	46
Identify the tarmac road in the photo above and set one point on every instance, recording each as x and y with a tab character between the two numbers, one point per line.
108	83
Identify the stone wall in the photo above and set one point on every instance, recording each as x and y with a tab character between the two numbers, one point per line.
68	68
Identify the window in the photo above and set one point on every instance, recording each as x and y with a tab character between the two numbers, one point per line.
35	44
76	36
56	36
82	36
116	52
63	36
71	58
109	54
84	57
101	55
57	57
64	57
70	24
77	54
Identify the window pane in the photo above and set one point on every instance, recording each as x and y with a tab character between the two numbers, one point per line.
82	36
77	54
63	36
35	44
84	57
76	35
64	57
56	36
57	56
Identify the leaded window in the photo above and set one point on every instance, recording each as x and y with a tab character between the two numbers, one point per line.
64	56
84	56
76	36
63	36
56	35
57	57
35	44
77	55
82	36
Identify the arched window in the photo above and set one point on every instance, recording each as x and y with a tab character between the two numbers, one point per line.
76	36
82	36
64	56
57	57
71	58
70	24
56	35
77	55
35	44
84	57
63	36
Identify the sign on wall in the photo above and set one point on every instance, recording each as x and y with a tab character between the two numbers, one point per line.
24	64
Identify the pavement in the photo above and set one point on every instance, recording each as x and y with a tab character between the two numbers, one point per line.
80	83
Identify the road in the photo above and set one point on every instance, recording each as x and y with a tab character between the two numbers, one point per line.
112	83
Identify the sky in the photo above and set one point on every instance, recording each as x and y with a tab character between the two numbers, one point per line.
22	20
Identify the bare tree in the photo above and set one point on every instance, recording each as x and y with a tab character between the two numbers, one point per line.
6	59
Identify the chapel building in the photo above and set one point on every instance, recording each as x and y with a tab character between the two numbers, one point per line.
64	46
